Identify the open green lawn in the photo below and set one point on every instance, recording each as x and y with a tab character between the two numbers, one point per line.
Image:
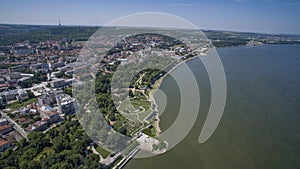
130	116
143	103
140	96
143	115
18	105
133	127
104	153
150	132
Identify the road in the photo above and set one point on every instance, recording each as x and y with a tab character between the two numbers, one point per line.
16	126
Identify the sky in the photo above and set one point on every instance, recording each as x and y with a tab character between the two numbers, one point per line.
262	16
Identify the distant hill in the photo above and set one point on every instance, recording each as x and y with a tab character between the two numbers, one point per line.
11	34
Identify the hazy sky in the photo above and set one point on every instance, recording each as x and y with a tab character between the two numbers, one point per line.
266	16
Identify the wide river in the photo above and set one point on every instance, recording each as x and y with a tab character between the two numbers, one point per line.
260	127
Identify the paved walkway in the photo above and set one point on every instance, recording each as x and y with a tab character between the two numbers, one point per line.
106	161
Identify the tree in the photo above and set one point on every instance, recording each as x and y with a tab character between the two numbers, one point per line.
61	144
112	117
29	165
68	90
11	87
62	165
50	160
92	161
42	155
29	154
62	147
130	93
123	130
38	140
30	94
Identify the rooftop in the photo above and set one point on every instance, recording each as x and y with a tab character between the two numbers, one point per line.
37	124
3	120
2	142
5	127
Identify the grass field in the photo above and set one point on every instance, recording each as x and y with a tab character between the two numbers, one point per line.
104	153
18	105
143	103
150	132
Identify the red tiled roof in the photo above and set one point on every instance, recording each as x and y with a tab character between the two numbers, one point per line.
4	85
2	142
5	127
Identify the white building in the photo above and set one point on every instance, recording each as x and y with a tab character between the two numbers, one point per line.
3	121
66	104
22	95
57	83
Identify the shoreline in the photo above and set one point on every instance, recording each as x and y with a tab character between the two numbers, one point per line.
153	101
158	83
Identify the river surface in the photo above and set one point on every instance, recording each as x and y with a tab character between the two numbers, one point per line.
260	127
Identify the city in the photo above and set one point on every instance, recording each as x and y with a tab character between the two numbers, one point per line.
78	94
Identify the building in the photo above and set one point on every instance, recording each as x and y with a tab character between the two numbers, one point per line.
70	81
9	95
22	95
48	98
3	121
13	76
39	125
18	68
2	101
68	107
13	83
4	145
24	110
43	67
5	129
80	69
3	87
65	68
50	113
58	64
35	67
2	81
22	49
5	49
54	58
57	83
66	104
69	72
24	79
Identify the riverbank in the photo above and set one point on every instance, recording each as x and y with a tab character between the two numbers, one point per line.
157	85
256	118
153	102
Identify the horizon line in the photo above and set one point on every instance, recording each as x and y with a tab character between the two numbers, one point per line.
204	29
